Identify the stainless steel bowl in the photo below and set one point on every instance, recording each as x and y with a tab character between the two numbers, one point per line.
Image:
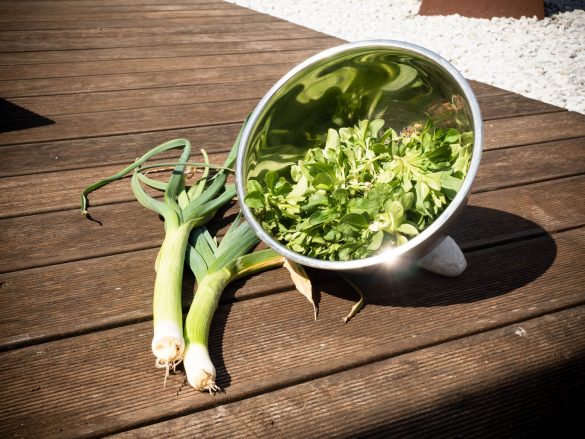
399	82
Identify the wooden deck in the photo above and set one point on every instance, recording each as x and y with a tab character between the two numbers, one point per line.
88	85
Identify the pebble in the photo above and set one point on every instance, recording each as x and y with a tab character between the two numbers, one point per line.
541	59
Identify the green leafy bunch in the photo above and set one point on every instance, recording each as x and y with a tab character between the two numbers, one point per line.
358	191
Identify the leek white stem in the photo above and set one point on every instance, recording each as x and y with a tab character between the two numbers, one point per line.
198	366
168	343
200	370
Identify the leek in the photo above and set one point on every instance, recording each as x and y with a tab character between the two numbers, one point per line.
214	267
183	209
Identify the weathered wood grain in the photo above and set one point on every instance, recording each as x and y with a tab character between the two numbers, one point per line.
264	43
14	9
94	68
513	105
100	34
82	3
80	298
539	128
102	382
61	190
139	14
81	153
508	383
109	123
58	42
76	103
501	168
129	81
228	20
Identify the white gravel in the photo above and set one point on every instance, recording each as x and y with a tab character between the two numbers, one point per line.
541	59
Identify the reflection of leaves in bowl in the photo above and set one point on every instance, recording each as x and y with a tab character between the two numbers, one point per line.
365	88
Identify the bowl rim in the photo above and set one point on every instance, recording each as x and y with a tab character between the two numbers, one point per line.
393	253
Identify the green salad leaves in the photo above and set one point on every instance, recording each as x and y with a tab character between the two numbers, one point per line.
358	189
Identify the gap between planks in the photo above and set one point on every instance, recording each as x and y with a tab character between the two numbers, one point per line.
129	23
167	51
157	41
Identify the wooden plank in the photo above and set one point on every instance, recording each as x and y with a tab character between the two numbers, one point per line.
61	189
483	89
131	274
58	43
509	167
24	26
493	217
73	17
100	35
68	104
101	301
40	9
508	384
138	80
102	382
110	2
518	212
103	67
126	121
75	154
524	130
513	105
263	44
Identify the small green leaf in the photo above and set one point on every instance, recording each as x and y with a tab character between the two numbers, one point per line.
323	181
376	241
253	186
452	136
254	200
331	151
356	220
270	179
450	185
408	229
362	205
